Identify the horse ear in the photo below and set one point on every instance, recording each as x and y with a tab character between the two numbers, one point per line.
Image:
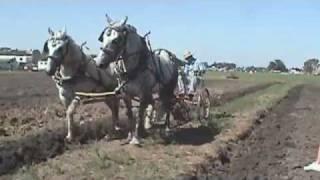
45	50
109	20
50	31
64	31
124	21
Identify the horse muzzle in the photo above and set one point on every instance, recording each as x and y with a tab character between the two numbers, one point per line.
50	72
51	67
103	59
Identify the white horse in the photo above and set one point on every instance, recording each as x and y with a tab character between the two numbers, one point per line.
74	71
145	70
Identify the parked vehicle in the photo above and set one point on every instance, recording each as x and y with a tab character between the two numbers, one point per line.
31	67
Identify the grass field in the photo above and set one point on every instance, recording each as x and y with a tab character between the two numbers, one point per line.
258	100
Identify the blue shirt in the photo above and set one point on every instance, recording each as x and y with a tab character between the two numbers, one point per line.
191	68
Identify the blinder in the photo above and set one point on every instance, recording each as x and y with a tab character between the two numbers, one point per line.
101	35
118	42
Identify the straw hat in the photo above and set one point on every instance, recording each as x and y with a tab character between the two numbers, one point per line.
187	54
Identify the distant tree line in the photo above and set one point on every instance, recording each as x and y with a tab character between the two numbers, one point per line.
223	65
277	65
311	65
255	69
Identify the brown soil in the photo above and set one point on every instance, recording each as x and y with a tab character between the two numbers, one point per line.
32	126
279	146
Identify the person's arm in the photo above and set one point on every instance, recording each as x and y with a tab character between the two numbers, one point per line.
180	62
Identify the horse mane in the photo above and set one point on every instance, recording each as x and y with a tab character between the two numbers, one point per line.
69	38
130	28
126	27
158	51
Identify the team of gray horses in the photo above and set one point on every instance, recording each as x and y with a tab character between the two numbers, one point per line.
144	73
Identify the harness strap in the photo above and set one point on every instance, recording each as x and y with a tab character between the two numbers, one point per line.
141	66
82	70
157	73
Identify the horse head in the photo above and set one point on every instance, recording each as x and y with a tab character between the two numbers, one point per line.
56	49
116	41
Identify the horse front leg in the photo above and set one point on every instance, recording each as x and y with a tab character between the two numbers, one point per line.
113	103
166	109
139	124
169	100
167	122
149	116
128	102
71	108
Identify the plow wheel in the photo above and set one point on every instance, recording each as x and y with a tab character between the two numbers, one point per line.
181	112
203	105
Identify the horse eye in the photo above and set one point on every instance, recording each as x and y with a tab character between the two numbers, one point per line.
108	33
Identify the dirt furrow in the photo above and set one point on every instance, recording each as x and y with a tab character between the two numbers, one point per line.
47	143
42	143
220	99
280	144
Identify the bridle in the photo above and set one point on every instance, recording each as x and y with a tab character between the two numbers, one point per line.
121	43
59	60
118	42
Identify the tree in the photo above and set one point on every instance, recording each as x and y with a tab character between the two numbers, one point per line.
255	69
225	65
310	65
272	66
277	65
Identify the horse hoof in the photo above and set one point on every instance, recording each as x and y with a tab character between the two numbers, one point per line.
147	126
68	138
134	141
107	138
127	141
117	128
168	130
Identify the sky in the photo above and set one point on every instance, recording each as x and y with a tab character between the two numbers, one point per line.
246	32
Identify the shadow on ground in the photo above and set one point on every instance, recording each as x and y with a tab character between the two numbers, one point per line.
189	136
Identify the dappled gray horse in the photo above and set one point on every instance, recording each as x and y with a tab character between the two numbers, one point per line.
73	72
145	71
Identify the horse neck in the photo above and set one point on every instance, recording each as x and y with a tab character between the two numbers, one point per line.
136	44
72	60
